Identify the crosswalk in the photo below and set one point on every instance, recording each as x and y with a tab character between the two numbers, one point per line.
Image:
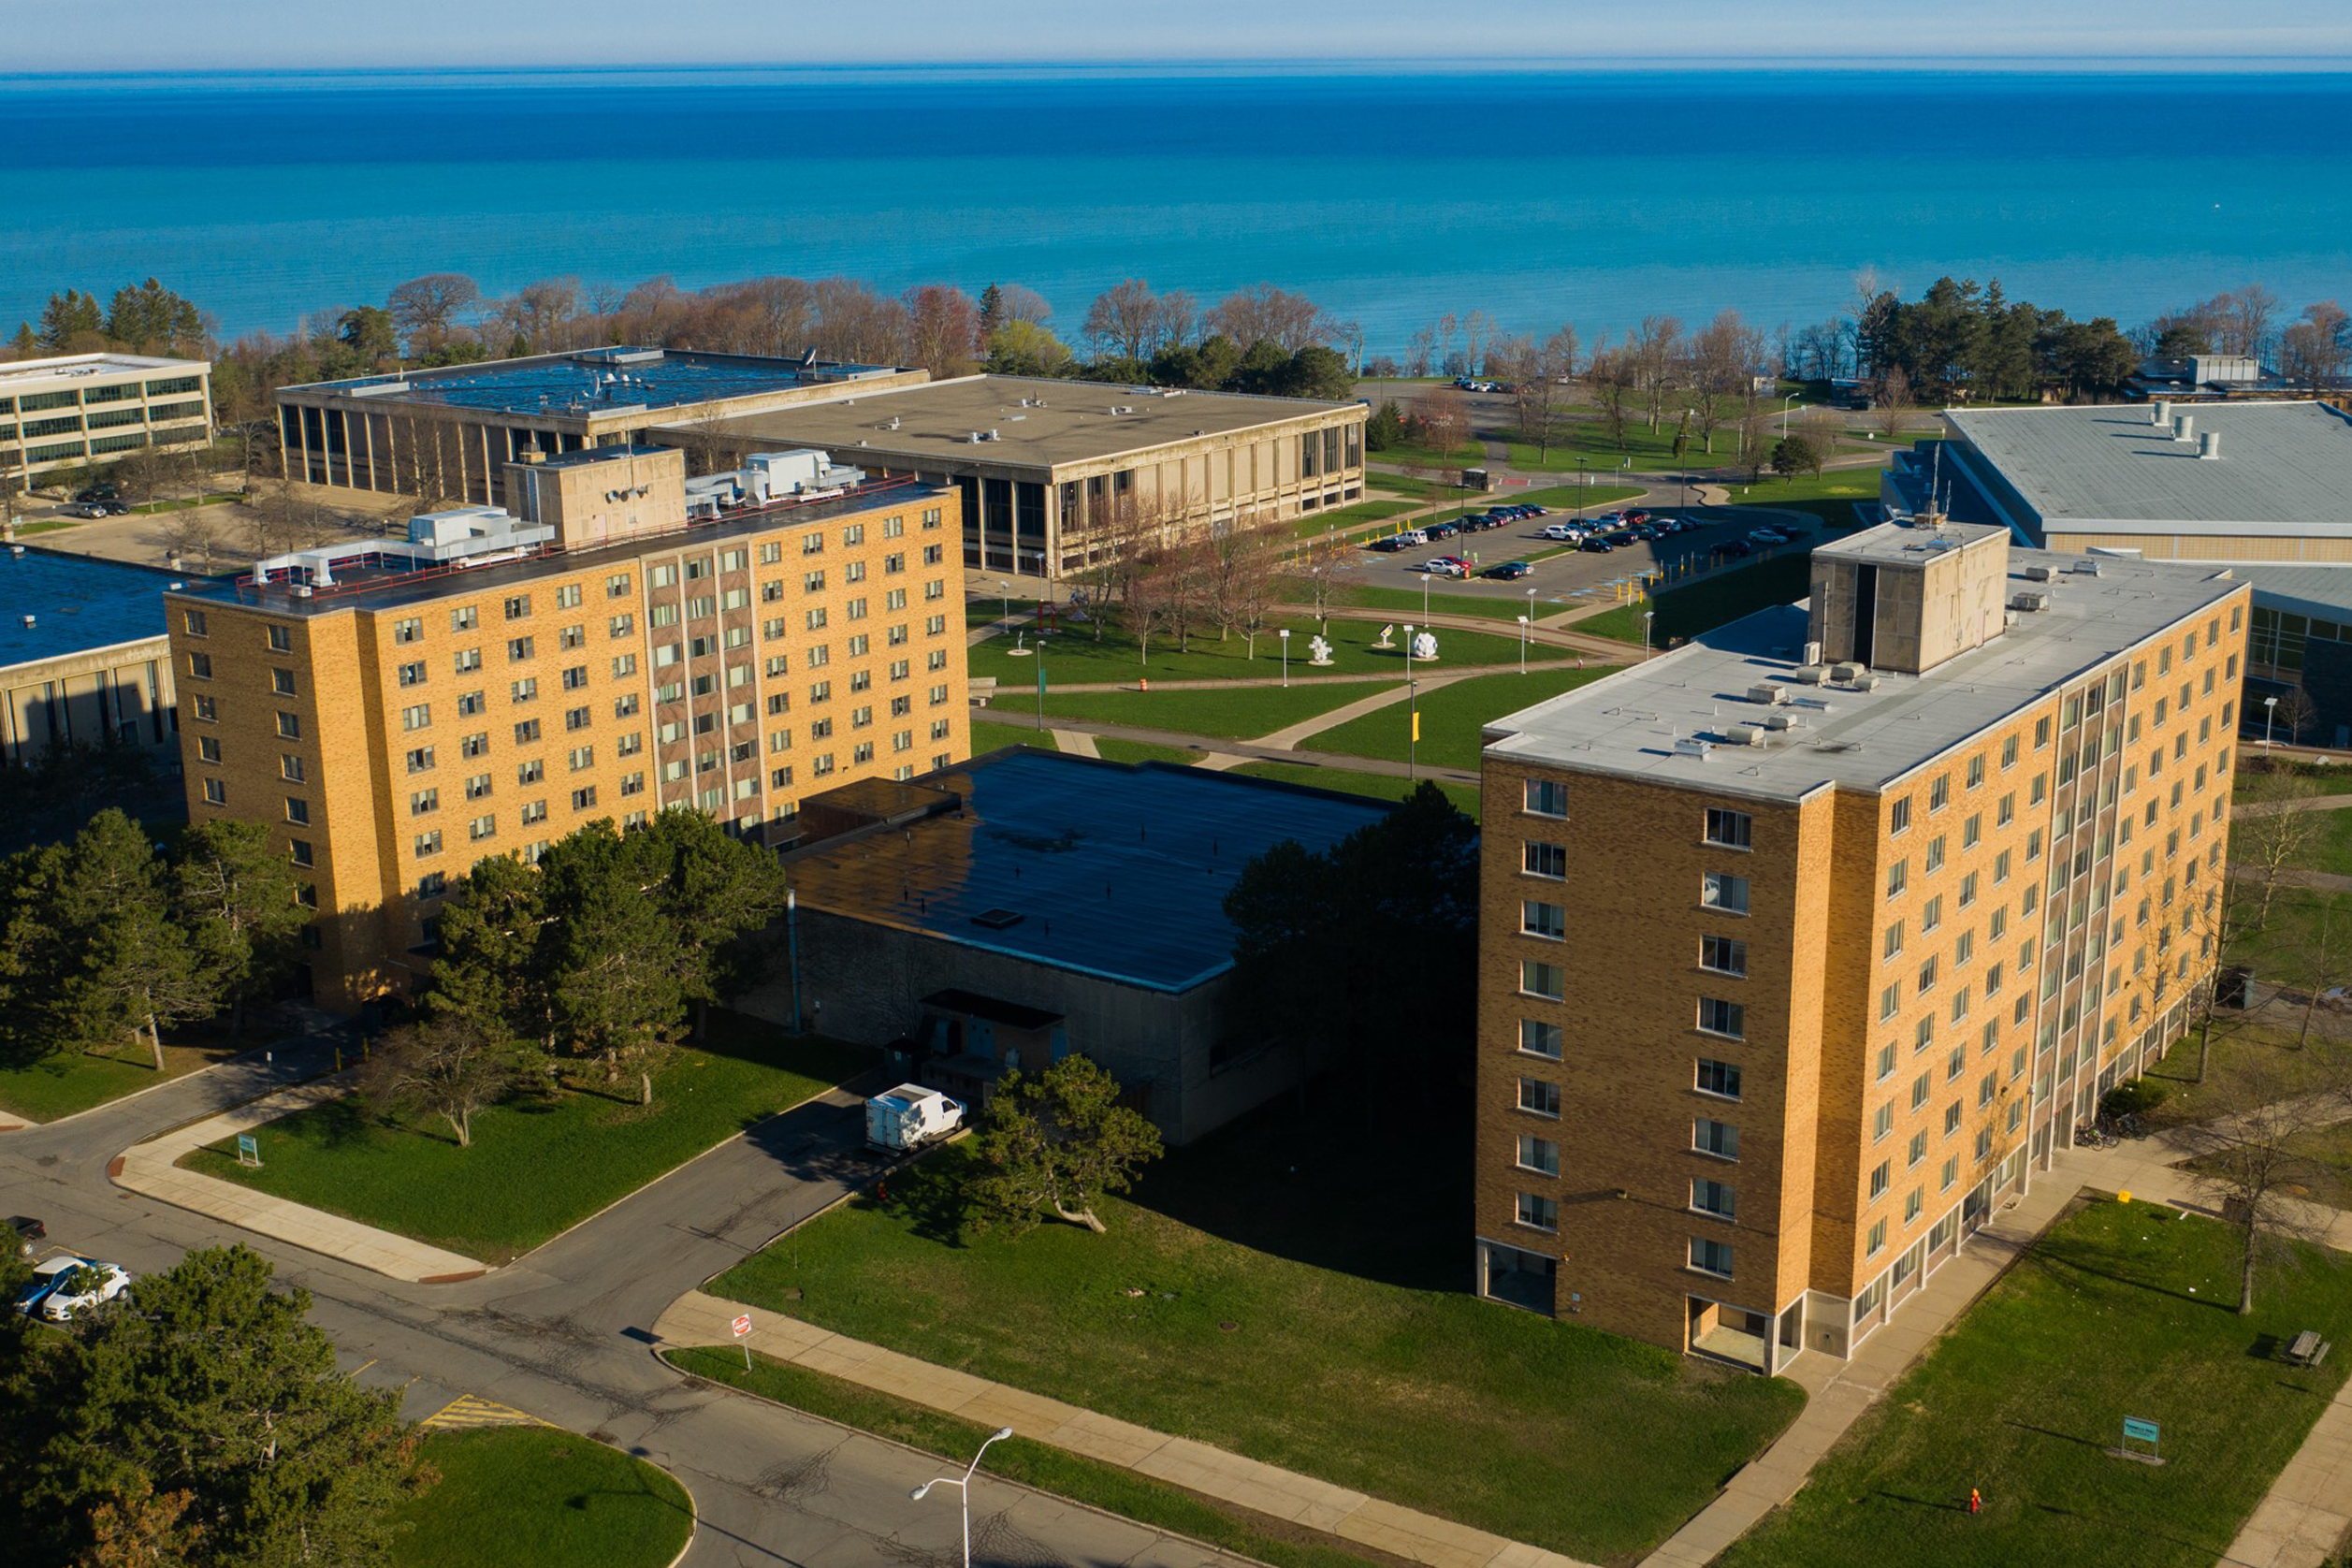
468	1410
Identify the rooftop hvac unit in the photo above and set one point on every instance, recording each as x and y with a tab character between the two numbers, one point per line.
1808	675
1768	695
2042	573
1745	735
1691	746
1812	653
1778	721
2029	599
2084	568
1846	672
1865	682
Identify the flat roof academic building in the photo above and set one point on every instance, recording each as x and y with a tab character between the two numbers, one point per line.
83	656
2262	486
60	414
450	431
1027	904
1891	885
1044	465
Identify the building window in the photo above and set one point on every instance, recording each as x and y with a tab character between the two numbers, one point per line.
1544	859
194	621
1717	1198
1547	981
518	606
289	726
200	666
481	828
1898	817
1878	1241
1721	890
1711	1258
1543	920
1538	1214
428	843
417	718
1719	1078
215	793
1540	1038
1539	1154
1730	829
1539	1096
1728	1018
1724	955
1898	877
1545	797
1710	1136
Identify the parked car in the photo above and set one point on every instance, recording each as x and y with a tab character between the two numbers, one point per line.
1510	570
1387	546
1736	549
28	1230
1562	531
1622	537
1597	545
1607	521
1637	517
1767	536
83	1282
101	491
1440	530
1445	566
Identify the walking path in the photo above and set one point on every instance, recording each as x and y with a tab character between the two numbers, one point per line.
151	1169
698	1319
2280	807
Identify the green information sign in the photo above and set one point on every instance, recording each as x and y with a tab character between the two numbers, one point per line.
2144	1431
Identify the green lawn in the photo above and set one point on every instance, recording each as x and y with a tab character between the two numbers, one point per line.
1470	454
1382	785
1076	657
182	503
1829	495
541	1164
1407	602
1571	498
1710	603
541	1496
1451	716
2328	779
1406	484
1022	1460
1143	752
1315	525
990	734
2329	847
68	1081
1293	1293
1238	713
2120	1310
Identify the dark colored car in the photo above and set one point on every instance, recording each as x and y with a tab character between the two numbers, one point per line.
1440	530
1510	570
96	492
1623	537
1596	545
1737	550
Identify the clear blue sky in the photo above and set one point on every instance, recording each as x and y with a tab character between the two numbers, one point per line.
178	34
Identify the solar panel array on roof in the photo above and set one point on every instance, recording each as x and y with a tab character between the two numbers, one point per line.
1114	869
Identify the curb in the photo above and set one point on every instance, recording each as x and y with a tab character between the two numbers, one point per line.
26	1124
927	1455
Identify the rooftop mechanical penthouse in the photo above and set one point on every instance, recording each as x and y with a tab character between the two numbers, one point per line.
399	711
1806	944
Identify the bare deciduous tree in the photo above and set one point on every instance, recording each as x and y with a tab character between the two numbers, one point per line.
1125	321
2272	837
2252	1155
446	1067
425	310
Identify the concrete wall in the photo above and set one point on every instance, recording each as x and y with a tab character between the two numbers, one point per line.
864	982
120	695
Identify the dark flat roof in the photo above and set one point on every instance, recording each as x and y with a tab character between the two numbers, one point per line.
1114	870
582	384
77	604
367	589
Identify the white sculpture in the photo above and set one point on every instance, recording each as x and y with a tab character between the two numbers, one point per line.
1386	637
1321	651
1425	646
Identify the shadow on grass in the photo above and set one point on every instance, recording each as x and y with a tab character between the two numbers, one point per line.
2101	1264
2062	1437
1944	1505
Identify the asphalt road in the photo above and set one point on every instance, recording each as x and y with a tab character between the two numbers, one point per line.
564	1335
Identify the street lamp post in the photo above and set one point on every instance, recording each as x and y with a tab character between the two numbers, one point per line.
1647	615
1003	586
1412	710
1522	644
1584	487
963	1487
1784	413
2270	711
1285	634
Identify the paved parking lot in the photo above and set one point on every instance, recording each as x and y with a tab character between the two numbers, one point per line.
1576	577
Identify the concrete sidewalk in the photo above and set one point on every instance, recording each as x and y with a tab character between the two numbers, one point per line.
698	1319
150	1169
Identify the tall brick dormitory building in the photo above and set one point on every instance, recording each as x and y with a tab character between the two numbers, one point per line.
1806	944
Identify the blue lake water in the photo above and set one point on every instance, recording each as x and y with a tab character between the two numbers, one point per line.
1538	197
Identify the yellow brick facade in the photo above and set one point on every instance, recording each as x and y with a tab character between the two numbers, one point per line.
395	736
1934	981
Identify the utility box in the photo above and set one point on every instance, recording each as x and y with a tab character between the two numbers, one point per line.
1477	479
910	1116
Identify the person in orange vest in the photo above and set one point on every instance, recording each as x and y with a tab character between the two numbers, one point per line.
1976	1500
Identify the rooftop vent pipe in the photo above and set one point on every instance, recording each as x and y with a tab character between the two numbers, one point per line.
2184	426
2209	446
28	623
2162	413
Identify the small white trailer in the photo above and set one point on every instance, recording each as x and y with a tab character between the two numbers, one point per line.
910	1116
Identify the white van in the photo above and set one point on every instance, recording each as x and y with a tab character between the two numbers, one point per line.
910	1116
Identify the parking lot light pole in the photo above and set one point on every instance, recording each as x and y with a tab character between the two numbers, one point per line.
1647	615
1784	413
1522	644
2270	711
1412	709
1003	586
964	1488
1285	655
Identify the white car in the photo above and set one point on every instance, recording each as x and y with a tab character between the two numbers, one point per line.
1768	536
77	1282
1562	531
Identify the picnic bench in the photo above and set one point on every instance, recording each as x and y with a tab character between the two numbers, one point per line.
983	687
2308	1349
